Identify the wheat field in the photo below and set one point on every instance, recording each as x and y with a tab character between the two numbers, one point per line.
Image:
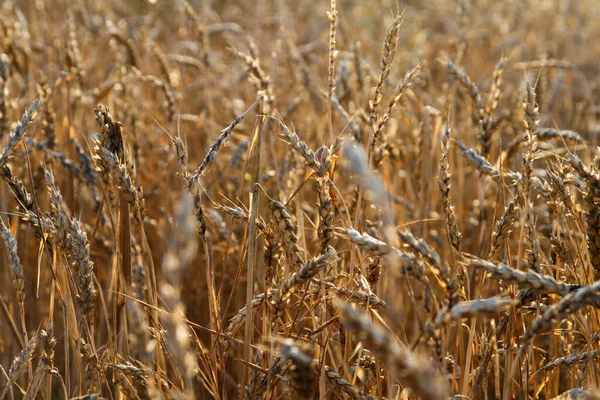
276	199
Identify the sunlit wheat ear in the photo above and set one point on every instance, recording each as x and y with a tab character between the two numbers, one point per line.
17	134
286	230
524	280
361	298
292	139
474	307
19	364
578	394
325	203
503	227
49	341
388	52
470	86
214	148
399	90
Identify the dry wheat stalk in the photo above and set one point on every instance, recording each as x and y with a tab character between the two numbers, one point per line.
19	131
569	304
503	226
352	124
444	183
544	134
471	87
237	321
258	386
325	202
262	80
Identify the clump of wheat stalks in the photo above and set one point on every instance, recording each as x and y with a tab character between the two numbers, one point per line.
295	218
312	268
591	179
303	372
569	304
417	372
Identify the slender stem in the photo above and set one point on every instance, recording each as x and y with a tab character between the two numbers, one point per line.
252	246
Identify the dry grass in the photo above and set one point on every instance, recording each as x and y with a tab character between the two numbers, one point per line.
299	200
